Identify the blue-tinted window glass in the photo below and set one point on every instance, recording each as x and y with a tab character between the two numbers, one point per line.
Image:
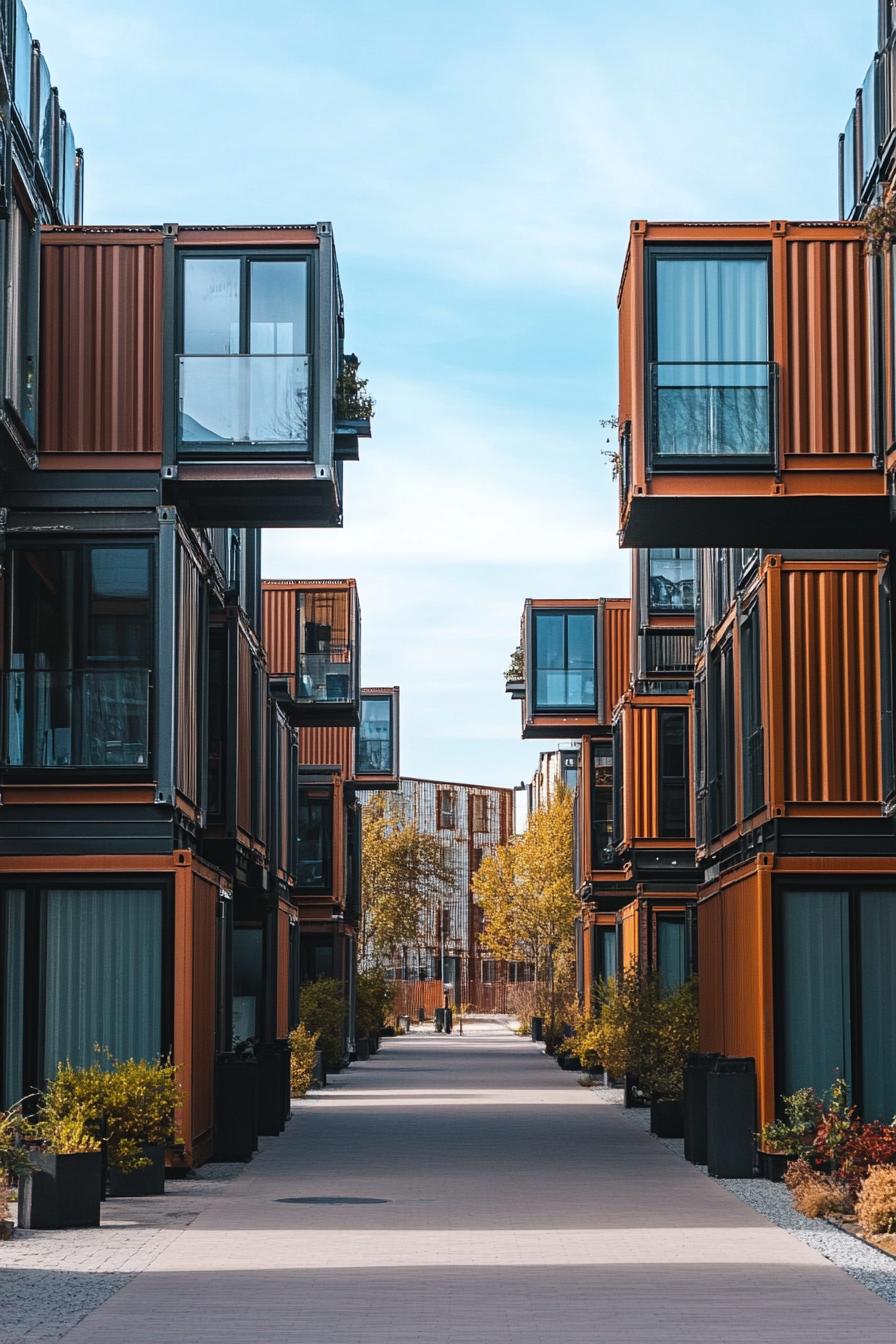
869	120
564	655
375	736
45	119
849	165
67	182
671	957
12	905
608	953
211	306
22	63
671	578
278	315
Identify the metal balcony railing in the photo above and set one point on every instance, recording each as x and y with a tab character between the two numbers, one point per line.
326	676
87	717
231	401
667	651
705	412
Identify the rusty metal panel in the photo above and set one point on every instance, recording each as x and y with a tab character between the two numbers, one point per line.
826	367
628	924
101	344
734	939
617	652
204	968
328	746
830	673
279	602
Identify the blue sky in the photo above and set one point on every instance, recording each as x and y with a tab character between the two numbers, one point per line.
480	161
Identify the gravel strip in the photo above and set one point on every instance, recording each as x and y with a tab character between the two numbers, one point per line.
872	1268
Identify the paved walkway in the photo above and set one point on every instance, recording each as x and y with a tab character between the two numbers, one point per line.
465	1190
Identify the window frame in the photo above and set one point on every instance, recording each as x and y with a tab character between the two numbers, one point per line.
245	255
442	796
35	952
585	710
720	740
655	609
389	772
666	781
83	546
752	733
321	793
699	463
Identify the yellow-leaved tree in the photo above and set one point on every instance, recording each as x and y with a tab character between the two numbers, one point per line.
402	871
527	896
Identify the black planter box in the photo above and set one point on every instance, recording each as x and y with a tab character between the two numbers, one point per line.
667	1119
236	1108
695	1075
318	1068
731	1117
270	1085
571	1063
63	1190
772	1166
149	1180
374	1040
536	1028
362	1048
285	1079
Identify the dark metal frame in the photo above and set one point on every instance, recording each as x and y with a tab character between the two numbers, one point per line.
565	612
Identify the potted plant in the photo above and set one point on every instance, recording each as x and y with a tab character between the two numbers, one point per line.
62	1185
140	1100
791	1137
322	1010
668	1034
354	405
15	1163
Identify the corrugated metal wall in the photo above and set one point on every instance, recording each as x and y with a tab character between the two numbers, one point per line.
205	897
830	684
734	940
826	368
279	627
328	746
101	345
628	924
617	652
641	767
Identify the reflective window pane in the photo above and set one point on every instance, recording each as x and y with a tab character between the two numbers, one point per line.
211	306
375	736
45	119
671	578
564	660
814	989
278	316
22	63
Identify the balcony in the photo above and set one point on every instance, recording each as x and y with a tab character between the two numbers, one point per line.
238	404
313	637
667	653
573	665
84	718
376	753
746	375
232	387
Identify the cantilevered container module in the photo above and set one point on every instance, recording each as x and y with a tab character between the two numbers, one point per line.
312	633
210	357
749	355
576	660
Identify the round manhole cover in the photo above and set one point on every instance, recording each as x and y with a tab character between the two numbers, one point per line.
329	1199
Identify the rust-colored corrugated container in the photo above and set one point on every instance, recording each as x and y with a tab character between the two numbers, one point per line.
617	651
774	467
329	746
629	926
639	722
101	347
816	738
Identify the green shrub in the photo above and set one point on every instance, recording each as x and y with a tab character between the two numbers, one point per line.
322	1010
642	1032
135	1098
795	1133
373	1001
302	1047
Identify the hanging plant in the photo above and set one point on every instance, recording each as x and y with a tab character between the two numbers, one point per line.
880	228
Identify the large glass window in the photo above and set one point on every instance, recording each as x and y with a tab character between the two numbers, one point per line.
751	713
94	959
869	120
849	166
564	657
720	740
671	952
22	66
814	999
603	854
80	653
21	315
604	951
670	578
244	370
709	356
315	839
674	784
248	982
375	736
326	637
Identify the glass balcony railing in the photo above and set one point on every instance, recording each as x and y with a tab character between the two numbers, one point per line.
237	400
327	677
718	410
77	717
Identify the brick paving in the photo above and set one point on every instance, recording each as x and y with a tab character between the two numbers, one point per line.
503	1205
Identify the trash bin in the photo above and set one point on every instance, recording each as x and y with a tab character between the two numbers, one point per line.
421	1014
405	1023
440	1019
537	1024
696	1071
449	1019
730	1117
